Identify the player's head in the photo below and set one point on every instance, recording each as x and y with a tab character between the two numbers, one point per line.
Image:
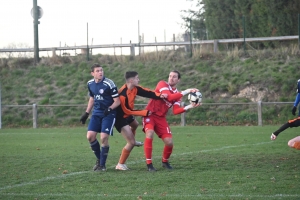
132	77
174	78
97	71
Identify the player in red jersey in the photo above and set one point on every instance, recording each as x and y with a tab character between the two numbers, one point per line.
157	121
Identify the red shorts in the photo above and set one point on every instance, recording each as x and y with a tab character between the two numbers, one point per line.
158	124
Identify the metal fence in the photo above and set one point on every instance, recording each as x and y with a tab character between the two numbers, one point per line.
189	46
212	114
240	35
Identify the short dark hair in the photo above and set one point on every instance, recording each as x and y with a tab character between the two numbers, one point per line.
94	66
177	72
130	74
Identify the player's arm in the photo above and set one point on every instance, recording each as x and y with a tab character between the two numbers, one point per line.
129	111
115	96
172	97
145	92
90	105
297	99
116	99
116	103
88	110
178	110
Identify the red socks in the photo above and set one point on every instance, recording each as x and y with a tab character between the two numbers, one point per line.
167	153
148	150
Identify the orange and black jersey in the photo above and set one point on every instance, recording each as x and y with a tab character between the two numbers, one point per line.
127	98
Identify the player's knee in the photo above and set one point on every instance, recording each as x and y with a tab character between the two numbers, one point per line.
131	143
104	139
149	134
291	143
168	141
90	136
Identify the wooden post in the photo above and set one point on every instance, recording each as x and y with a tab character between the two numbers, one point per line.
53	52
183	120
259	113
156	47
132	53
173	41
34	114
216	46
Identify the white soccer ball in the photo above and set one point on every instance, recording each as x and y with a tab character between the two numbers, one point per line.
195	97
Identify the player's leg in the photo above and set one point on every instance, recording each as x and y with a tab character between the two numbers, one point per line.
166	136
290	124
148	128
106	130
295	143
93	129
133	123
128	136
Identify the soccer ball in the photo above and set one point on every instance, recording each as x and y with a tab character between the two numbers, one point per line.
195	97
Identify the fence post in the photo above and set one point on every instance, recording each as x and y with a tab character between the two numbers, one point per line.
244	33
132	52
259	113
183	116
0	108
34	114
298	30
216	49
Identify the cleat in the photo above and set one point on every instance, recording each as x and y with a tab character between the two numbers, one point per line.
151	168
98	167
273	137
138	144
121	167
167	165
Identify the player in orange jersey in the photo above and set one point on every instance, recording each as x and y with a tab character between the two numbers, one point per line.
157	122
295	142
126	124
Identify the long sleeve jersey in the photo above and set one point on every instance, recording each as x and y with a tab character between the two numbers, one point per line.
160	107
128	96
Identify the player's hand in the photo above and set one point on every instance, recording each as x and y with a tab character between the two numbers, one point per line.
192	105
149	113
107	111
187	91
273	137
294	110
196	104
163	96
84	117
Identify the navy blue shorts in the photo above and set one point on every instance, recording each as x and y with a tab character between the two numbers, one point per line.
102	124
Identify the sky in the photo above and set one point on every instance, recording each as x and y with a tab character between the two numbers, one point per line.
65	22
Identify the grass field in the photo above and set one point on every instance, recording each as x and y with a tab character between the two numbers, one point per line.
210	162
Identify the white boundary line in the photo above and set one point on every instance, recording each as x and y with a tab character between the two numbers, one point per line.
83	172
149	195
124	195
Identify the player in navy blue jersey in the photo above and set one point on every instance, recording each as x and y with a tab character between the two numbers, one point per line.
295	142
104	98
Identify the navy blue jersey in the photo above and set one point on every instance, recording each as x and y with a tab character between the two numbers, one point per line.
297	99
103	94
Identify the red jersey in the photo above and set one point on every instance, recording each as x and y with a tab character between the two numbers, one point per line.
160	107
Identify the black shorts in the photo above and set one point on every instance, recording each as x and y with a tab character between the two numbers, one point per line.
121	122
294	122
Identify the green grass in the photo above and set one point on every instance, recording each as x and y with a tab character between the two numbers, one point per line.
210	162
